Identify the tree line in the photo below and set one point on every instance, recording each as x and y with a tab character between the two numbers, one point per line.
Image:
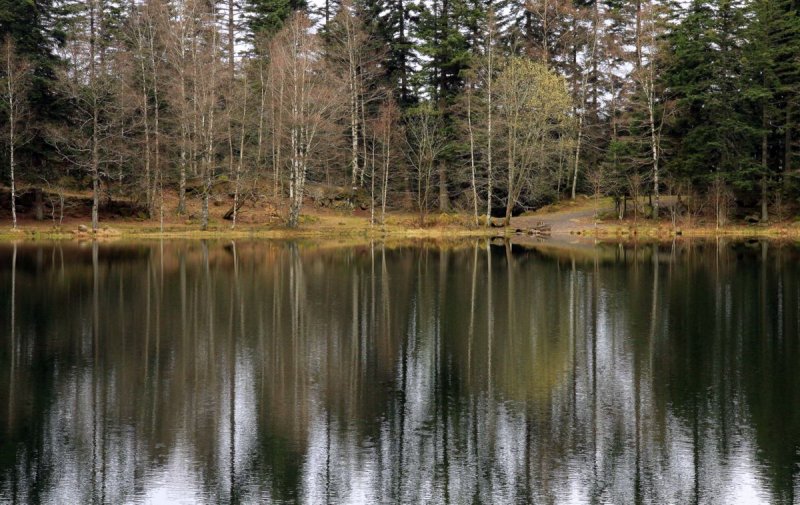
489	107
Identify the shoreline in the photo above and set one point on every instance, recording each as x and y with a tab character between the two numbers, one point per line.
128	231
645	235
665	233
348	228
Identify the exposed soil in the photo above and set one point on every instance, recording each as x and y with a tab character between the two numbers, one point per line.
566	217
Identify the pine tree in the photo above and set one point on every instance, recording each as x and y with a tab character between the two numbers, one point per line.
390	21
37	31
711	129
267	17
771	85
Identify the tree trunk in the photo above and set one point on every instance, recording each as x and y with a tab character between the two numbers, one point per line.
241	153
472	156
158	181
764	160
385	188
277	126
372	186
38	204
183	126
654	149
231	41
11	144
95	161
261	110
147	150
353	126
182	175
13	181
577	157
582	112
210	99
787	147
95	167
489	118
363	124
444	198
638	34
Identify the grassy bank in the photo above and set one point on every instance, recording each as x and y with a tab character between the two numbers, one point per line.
665	231
575	219
313	225
587	217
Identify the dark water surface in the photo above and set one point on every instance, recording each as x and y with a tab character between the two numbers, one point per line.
263	372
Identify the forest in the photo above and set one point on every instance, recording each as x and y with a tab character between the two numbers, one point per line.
485	107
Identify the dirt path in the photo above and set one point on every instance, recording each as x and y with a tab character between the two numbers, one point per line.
577	215
562	221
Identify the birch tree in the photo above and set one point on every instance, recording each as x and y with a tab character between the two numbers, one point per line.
354	55
15	83
310	99
425	143
86	87
385	128
179	32
583	95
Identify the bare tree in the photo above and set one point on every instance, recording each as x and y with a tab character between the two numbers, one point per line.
179	32
425	143
471	135
355	57
87	85
206	65
311	100
15	83
648	35
481	108
584	86
151	44
244	92
385	127
490	70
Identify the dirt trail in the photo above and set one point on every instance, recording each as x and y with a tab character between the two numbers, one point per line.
578	215
562	221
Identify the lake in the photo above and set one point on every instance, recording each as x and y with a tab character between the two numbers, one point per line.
471	372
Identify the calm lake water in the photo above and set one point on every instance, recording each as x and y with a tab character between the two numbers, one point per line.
258	372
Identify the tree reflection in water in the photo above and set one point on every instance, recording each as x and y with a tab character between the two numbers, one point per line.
472	373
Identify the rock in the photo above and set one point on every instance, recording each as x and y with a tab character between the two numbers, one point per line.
752	219
83	228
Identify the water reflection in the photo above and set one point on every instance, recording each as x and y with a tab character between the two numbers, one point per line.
282	372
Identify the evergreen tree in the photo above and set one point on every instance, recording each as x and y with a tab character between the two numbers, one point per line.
772	78
390	21
267	17
711	129
37	30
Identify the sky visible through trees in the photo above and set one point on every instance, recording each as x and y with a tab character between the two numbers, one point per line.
488	107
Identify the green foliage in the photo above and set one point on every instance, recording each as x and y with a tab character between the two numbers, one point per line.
390	21
266	17
38	30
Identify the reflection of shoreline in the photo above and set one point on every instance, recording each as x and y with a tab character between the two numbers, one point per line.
291	371
610	251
